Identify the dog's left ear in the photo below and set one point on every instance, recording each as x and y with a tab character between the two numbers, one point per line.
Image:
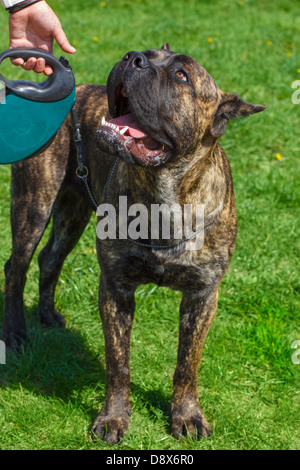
165	46
232	107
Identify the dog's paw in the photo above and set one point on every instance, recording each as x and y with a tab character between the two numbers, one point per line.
189	421
110	428
15	341
51	318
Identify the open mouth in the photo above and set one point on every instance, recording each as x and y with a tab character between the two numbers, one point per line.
142	147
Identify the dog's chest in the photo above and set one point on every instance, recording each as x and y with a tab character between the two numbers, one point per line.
178	273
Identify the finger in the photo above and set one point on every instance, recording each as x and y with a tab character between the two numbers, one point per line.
62	40
48	70
17	61
29	64
40	65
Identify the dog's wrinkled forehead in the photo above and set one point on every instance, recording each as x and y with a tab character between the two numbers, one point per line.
197	77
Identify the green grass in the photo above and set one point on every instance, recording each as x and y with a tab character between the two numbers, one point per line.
248	385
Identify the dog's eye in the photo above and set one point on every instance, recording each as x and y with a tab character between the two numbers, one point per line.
182	75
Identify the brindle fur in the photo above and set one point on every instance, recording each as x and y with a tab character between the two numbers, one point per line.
189	120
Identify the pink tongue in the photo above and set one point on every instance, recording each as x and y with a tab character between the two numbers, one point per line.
128	121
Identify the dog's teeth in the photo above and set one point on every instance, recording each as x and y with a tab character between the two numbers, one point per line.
124	130
112	125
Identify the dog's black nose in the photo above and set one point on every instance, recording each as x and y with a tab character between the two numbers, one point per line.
136	60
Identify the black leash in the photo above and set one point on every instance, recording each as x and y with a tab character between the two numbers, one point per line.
81	170
82	173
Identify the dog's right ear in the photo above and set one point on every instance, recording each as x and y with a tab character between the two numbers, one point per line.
232	107
165	46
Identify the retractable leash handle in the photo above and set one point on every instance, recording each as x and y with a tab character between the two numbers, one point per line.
32	113
57	86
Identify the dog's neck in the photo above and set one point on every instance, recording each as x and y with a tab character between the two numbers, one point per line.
190	182
186	181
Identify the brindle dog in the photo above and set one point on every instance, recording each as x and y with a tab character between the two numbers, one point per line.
173	114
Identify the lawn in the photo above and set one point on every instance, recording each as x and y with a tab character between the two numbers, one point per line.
248	383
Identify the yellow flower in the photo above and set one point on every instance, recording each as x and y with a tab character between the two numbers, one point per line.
289	54
268	43
278	156
75	42
210	39
244	55
95	38
298	70
91	251
103	4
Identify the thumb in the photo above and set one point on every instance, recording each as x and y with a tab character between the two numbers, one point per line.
62	40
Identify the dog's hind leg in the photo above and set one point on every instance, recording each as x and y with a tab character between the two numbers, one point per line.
71	214
35	184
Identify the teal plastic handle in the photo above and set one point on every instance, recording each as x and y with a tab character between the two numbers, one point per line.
57	87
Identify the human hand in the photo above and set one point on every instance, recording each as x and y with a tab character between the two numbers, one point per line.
37	26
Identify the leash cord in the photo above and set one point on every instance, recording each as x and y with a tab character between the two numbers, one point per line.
82	173
81	170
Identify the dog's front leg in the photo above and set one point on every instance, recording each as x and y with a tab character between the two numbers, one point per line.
196	316
116	310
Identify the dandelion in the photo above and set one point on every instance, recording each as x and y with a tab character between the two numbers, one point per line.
278	156
289	54
75	43
244	55
210	39
91	251
95	38
298	70
268	43
103	4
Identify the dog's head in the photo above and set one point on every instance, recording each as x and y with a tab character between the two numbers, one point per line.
163	106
